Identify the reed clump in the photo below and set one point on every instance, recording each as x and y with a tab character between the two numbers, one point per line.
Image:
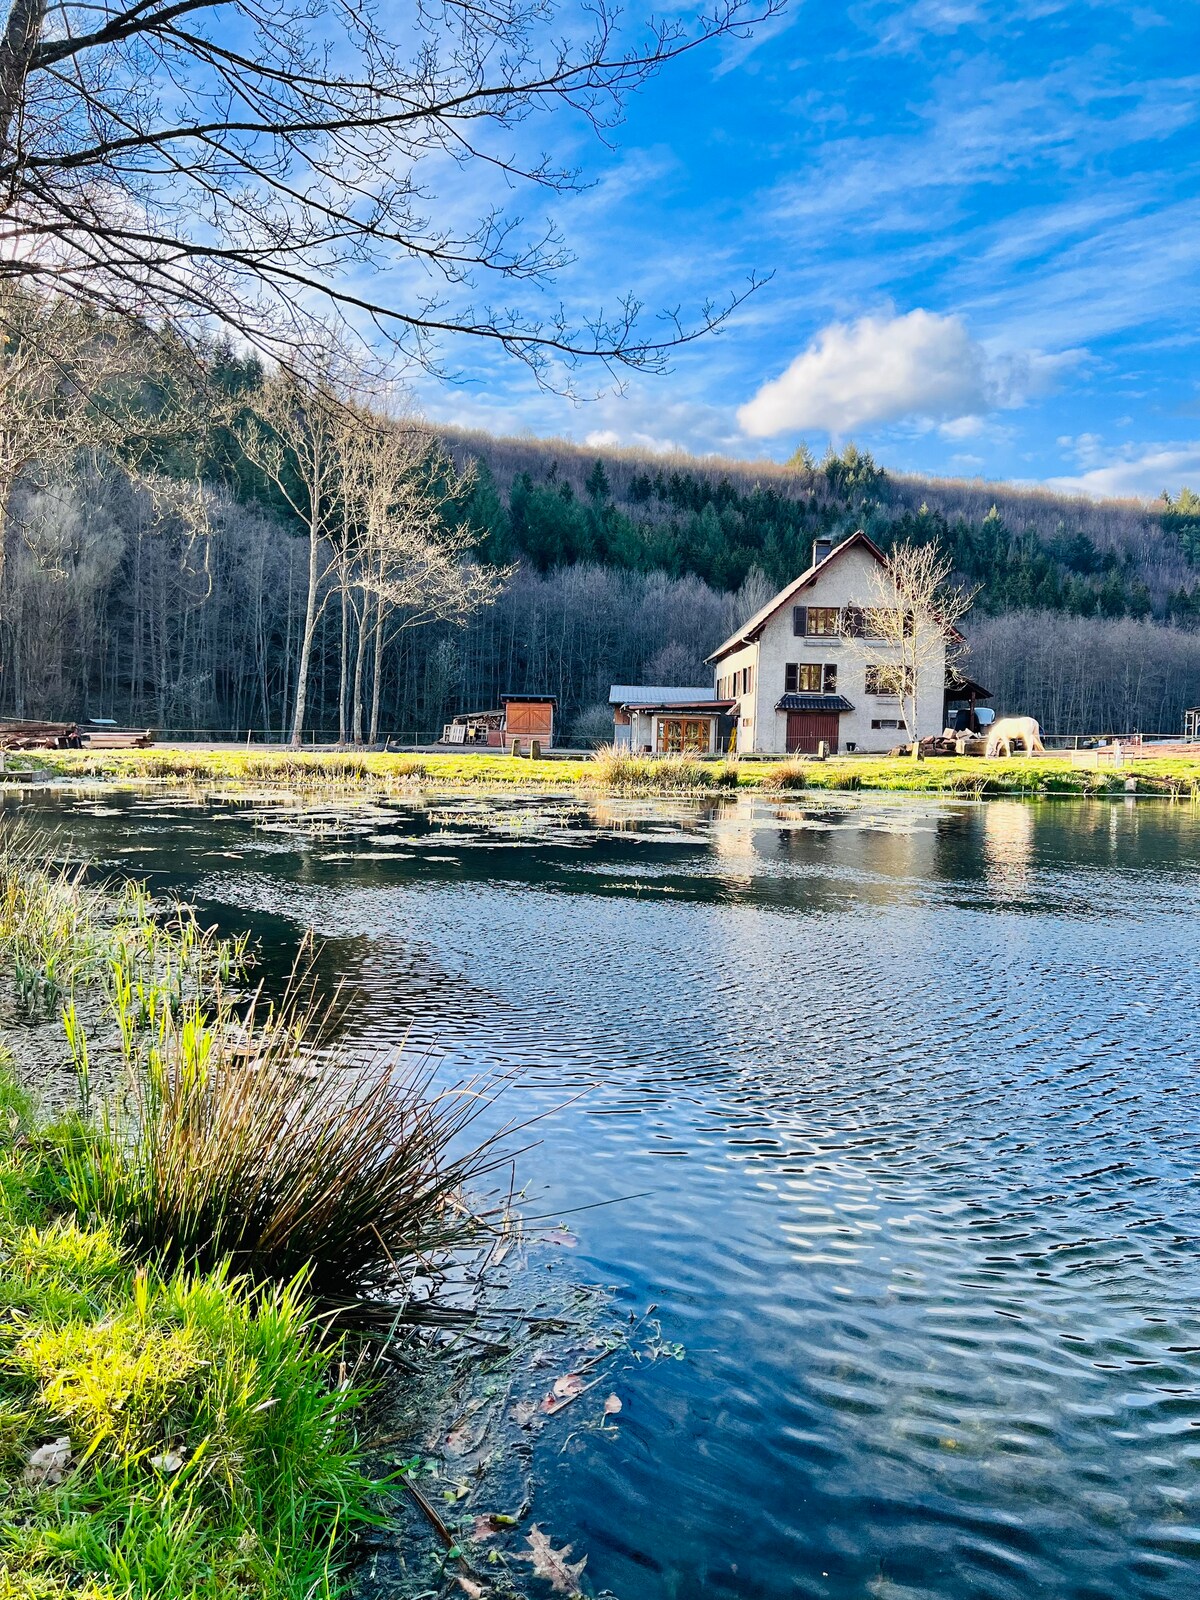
231	1130
627	772
239	1141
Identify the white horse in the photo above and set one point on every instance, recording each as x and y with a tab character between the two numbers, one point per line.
1008	731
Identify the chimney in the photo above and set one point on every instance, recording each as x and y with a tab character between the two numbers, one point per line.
821	548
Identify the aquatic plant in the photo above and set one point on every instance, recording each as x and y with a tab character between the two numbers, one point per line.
242	1142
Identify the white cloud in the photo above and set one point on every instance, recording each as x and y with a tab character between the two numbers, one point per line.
884	369
610	439
1141	472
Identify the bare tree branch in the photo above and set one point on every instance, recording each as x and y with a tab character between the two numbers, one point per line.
248	162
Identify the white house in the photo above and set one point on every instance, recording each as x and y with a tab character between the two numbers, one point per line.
802	674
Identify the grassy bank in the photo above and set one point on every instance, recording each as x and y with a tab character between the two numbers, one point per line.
619	773
192	1252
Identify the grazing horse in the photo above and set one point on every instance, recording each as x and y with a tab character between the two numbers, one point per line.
1009	730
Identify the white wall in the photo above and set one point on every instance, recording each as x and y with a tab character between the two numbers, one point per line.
747	704
849	580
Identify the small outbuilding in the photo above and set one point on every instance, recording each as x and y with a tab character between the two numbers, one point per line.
528	718
670	721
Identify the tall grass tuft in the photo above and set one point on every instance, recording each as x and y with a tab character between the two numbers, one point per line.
626	772
241	1143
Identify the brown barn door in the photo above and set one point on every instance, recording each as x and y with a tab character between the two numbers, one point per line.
806	729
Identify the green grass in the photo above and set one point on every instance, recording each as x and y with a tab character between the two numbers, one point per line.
180	1261
620	772
212	1449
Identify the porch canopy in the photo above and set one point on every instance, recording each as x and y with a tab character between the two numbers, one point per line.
813	702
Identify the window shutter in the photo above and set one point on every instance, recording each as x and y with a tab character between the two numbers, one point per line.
853	622
799	621
829	684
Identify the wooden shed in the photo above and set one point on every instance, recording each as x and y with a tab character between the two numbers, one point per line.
528	717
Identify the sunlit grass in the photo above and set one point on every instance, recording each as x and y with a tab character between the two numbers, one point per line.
623	772
211	1444
181	1261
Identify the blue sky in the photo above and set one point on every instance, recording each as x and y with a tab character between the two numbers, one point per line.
983	223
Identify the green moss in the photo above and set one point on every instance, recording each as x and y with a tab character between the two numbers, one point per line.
211	1457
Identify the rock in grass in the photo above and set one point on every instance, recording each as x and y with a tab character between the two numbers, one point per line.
48	1463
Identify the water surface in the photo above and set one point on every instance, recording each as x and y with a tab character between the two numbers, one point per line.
906	1096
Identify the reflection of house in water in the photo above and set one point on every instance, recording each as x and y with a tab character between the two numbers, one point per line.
838	852
1008	842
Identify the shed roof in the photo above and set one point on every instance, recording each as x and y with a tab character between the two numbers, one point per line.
749	631
529	699
709	706
640	694
959	687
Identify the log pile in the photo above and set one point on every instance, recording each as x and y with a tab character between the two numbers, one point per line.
118	738
39	736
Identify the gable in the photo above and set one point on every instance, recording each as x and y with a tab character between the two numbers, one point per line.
795	593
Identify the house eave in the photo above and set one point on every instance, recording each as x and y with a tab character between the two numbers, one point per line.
754	627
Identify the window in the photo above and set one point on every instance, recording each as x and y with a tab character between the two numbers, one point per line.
810	677
891	679
745	680
824	622
677	735
880	624
886	722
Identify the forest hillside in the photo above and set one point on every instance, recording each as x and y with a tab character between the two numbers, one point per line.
167	570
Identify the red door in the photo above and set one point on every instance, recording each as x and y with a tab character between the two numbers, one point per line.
806	729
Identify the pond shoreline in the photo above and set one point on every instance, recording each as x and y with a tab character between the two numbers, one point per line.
177	1419
1172	777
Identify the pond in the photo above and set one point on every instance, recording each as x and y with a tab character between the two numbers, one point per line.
896	1105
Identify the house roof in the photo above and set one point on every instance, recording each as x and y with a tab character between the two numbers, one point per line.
640	694
708	706
813	702
749	631
959	687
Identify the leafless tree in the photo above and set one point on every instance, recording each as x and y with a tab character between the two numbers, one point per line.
412	566
914	610
295	435
244	160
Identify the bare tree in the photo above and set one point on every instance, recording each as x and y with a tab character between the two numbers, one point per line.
412	566
914	610
244	160
295	434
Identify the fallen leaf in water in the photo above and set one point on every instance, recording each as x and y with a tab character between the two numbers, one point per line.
524	1413
612	1405
552	1564
561	1236
458	1440
486	1527
564	1391
469	1586
48	1463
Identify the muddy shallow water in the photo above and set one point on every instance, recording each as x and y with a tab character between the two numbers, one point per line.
898	1104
